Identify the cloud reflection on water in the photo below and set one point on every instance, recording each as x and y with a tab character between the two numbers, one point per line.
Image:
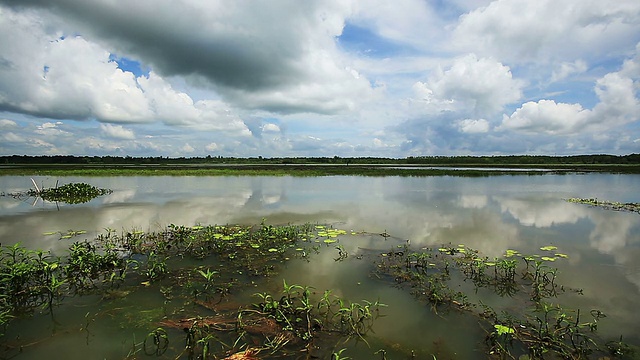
488	214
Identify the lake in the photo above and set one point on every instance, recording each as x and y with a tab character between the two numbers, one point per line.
379	214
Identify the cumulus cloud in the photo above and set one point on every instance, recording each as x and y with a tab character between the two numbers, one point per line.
51	129
546	116
618	105
473	126
618	102
278	56
60	77
187	148
272	77
117	132
481	84
270	128
212	147
531	31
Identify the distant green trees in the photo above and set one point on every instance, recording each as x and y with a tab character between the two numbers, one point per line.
600	159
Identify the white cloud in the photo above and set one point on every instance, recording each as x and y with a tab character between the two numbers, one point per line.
532	31
567	69
212	147
411	22
482	84
269	78
270	128
246	50
117	132
73	78
7	124
63	78
618	105
472	126
11	137
546	116
187	148
49	125
51	129
618	102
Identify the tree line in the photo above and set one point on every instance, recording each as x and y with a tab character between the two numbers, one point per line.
599	159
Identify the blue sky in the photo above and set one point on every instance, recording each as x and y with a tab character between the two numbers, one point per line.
319	78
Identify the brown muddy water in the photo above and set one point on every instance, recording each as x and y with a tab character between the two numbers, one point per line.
381	217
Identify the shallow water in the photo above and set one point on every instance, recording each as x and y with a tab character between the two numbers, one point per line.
490	214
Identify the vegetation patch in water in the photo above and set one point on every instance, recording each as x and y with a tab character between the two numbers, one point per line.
116	266
611	205
542	329
201	270
72	193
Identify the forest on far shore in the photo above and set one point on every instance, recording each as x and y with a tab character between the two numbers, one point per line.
499	160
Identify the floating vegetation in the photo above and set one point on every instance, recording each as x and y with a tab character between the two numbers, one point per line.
610	205
65	235
72	193
202	269
36	281
546	330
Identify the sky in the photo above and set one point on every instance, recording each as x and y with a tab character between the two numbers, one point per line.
290	78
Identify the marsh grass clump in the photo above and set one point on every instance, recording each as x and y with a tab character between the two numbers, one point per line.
296	311
28	280
605	204
201	267
247	249
293	322
32	280
72	193
547	330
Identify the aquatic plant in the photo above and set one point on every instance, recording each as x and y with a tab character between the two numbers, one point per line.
548	329
27	281
605	204
72	193
223	260
87	266
156	342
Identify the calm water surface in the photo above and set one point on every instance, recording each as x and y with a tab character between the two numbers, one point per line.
490	214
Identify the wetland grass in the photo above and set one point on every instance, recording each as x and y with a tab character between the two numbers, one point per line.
610	205
202	269
72	193
36	282
300	170
542	329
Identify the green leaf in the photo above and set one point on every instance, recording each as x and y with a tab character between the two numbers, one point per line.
502	330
